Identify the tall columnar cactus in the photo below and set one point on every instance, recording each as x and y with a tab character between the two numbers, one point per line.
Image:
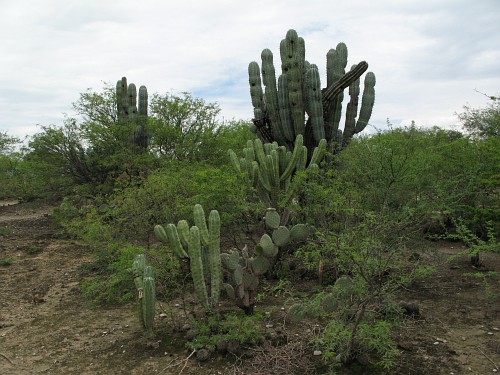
269	167
133	113
144	280
201	245
280	110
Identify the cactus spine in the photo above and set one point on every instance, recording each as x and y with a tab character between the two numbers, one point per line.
133	113
144	279
280	111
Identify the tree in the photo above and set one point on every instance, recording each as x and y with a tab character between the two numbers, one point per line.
482	122
181	124
7	143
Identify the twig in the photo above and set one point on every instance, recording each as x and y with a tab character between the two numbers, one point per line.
186	361
488	358
7	358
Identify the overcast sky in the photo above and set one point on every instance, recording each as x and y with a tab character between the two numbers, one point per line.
429	56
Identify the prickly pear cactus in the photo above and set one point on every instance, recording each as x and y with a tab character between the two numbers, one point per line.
244	270
295	103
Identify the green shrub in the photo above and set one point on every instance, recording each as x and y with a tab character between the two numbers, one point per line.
245	330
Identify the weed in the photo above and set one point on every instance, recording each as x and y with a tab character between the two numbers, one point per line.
32	249
242	329
5	232
6	261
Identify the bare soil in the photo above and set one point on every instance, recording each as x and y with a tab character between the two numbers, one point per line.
47	327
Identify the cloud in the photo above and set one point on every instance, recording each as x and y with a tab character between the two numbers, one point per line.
428	56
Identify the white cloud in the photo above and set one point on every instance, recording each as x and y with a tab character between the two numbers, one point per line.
428	55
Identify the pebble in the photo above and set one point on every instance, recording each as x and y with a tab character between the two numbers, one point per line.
317	352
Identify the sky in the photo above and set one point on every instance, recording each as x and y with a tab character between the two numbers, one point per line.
430	57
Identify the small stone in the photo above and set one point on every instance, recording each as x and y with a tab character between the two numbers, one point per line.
163	315
495	328
317	352
191	334
436	343
490	333
464	338
221	346
269	325
202	355
233	346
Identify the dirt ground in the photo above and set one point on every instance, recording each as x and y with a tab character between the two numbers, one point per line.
46	327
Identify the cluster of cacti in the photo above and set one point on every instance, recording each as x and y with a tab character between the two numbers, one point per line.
244	270
201	244
269	167
280	111
132	112
144	280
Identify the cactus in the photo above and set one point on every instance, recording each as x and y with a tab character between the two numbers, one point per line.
201	244
133	116
269	167
280	110
244	270
144	280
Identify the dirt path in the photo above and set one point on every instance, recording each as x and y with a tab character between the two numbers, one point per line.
46	327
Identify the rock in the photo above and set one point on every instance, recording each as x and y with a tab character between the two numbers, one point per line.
233	346
410	309
191	334
221	346
202	355
317	352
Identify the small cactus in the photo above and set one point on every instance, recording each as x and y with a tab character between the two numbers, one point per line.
269	167
144	279
201	245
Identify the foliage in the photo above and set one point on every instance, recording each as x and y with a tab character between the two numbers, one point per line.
6	261
242	329
111	281
7	143
482	122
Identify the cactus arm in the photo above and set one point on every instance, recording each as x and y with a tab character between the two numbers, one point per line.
352	110
175	241
194	250
354	74
148	301
315	102
367	102
271	94
214	257
200	222
296	155
256	93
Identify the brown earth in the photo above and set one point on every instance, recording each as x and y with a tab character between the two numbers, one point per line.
46	327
